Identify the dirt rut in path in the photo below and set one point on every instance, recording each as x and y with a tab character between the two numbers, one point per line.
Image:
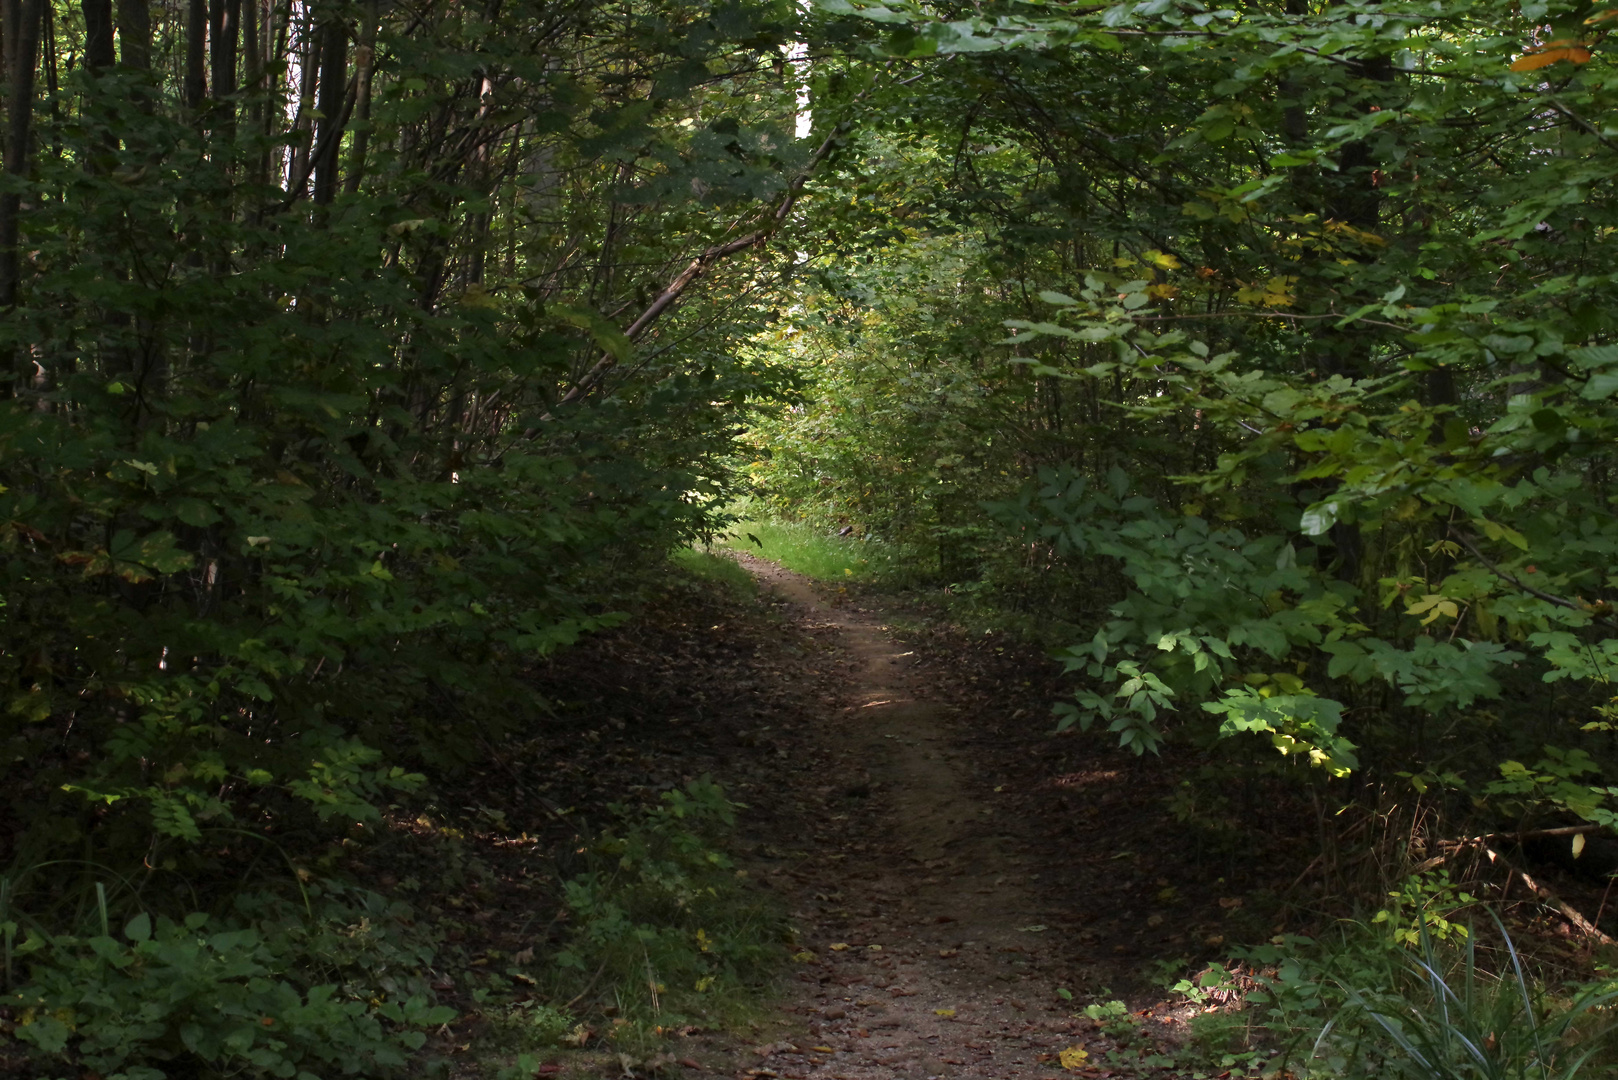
926	951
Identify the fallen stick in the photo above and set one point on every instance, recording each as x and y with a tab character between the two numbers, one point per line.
1550	899
1526	834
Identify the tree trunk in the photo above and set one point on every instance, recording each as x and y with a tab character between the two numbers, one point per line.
333	53
98	47
196	54
309	62
135	34
22	20
224	17
364	62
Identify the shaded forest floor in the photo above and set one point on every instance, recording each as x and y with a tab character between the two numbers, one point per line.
961	883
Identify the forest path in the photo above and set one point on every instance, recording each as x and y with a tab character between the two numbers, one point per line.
932	955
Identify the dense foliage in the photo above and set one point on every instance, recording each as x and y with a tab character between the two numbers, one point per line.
355	355
1302	434
335	391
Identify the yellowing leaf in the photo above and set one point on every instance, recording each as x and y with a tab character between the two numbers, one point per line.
1342	228
1162	261
1578	844
1434	606
822	1049
803	957
1162	292
1073	1057
841	946
945	1013
1573	54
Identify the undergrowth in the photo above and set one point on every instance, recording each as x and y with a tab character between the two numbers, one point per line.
706	567
663	933
330	982
1369	1003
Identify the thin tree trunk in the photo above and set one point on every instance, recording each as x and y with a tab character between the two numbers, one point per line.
223	19
365	62
22	20
196	54
309	62
333	41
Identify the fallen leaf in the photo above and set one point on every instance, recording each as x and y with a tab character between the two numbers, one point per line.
945	1013
947	953
803	957
873	948
823	1050
841	946
1154	921
1074	1057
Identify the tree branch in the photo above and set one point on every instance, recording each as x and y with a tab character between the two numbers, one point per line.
703	263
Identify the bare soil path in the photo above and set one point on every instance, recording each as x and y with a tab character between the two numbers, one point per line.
929	946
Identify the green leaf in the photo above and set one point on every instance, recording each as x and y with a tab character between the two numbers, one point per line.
1318	520
606	334
1600	386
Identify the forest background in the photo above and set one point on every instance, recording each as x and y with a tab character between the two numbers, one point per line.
1260	359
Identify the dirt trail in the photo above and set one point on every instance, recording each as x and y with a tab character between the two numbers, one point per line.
931	954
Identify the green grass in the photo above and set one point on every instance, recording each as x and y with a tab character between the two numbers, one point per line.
708	567
820	553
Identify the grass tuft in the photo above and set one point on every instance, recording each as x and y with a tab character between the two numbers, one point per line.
707	567
821	554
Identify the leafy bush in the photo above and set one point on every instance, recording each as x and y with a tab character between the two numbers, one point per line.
240	996
298	471
663	917
531	1025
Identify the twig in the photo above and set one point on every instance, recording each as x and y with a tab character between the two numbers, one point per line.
1603	905
1526	834
1549	598
587	987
